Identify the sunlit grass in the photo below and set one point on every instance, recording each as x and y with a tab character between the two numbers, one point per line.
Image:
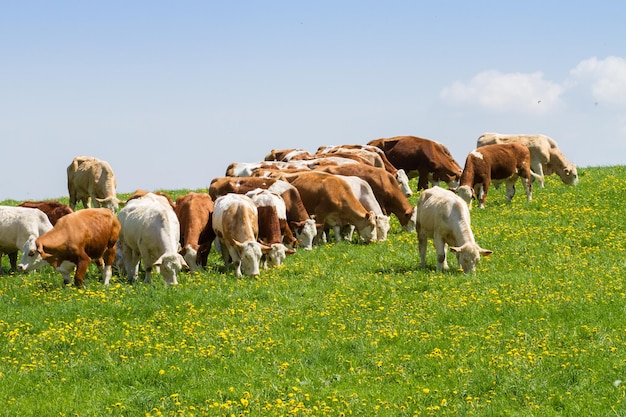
346	329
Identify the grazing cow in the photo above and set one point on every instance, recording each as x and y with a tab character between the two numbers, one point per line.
445	217
364	193
92	180
303	227
363	151
53	209
333	203
272	225
150	233
75	240
545	156
19	227
194	212
236	225
430	161
495	163
388	194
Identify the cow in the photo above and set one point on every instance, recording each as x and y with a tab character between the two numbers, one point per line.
303	227
91	180
331	200
445	217
74	241
235	223
272	220
545	156
53	209
495	163
364	193
389	196
429	160
150	232
363	151
19	227
194	212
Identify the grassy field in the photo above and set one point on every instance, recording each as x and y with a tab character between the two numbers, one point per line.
346	329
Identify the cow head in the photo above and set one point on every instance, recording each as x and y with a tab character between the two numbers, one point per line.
382	227
305	232
31	256
112	203
368	233
250	253
468	255
466	193
411	223
170	265
277	254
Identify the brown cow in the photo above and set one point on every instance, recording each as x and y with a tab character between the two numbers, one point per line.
303	227
495	163
430	161
333	203
53	209
388	194
194	212
91	180
76	239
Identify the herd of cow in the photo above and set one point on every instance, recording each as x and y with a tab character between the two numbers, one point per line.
259	213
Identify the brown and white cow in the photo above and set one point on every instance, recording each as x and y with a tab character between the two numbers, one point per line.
495	163
53	209
429	160
150	233
19	227
331	200
236	225
272	225
194	212
91	180
76	240
445	217
303	227
364	151
545	156
386	191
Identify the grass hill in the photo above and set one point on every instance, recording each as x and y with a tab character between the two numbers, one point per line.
346	329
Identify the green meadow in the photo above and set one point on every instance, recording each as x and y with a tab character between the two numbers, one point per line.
346	329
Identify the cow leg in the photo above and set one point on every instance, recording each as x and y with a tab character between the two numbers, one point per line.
537	167
422	182
510	189
13	260
480	194
440	249
528	187
109	259
81	270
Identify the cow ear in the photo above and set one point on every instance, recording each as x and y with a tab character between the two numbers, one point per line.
237	243
455	249
265	248
289	251
485	252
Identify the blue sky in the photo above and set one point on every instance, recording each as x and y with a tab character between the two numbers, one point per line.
169	93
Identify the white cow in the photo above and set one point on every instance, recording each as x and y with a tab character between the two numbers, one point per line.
19	227
235	222
545	156
364	193
445	217
92	180
150	233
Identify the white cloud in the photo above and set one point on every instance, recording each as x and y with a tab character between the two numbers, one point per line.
493	90
605	78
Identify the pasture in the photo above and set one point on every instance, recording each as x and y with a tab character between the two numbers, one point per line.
346	329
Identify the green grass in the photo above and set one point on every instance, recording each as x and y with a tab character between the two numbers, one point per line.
346	329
